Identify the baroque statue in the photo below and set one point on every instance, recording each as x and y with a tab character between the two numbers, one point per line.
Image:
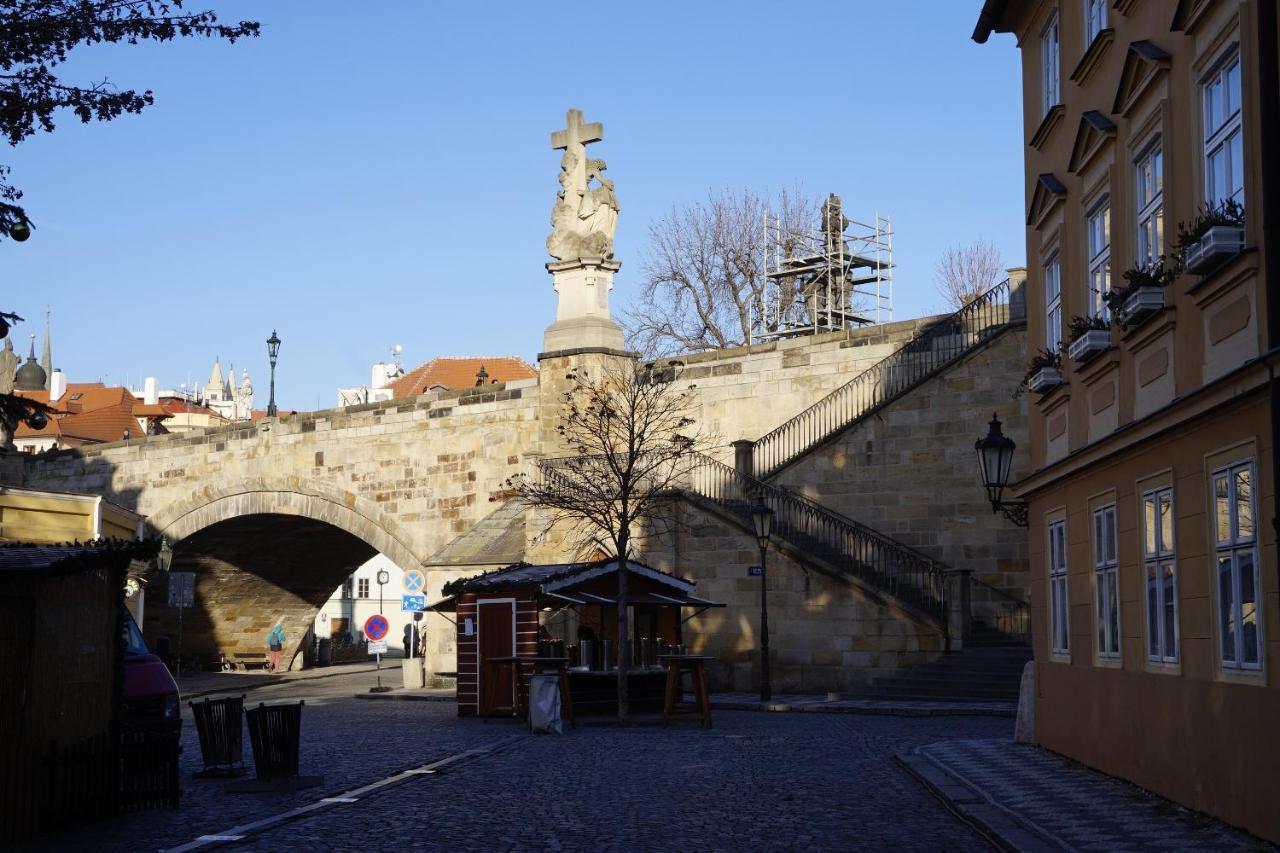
584	217
8	367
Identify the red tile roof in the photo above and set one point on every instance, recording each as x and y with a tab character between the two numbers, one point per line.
93	413
457	373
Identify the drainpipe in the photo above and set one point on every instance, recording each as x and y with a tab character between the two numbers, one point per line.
1269	168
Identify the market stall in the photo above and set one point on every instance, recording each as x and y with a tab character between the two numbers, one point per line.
565	614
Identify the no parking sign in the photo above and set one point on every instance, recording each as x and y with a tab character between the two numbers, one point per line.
376	627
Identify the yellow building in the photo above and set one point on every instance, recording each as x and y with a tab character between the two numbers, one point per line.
1151	136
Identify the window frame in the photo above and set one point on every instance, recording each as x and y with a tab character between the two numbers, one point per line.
1157	555
1226	136
1050	64
1059	599
1106	598
1098	277
1091	31
1053	304
1233	546
362	588
1150	211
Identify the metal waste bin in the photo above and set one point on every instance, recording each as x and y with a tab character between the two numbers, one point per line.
274	732
219	727
324	655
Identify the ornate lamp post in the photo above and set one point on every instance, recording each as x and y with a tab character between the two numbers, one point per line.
995	460
762	520
273	351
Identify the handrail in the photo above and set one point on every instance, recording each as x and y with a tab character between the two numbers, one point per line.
867	554
929	350
1012	615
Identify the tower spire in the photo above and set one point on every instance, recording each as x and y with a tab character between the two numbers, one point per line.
46	357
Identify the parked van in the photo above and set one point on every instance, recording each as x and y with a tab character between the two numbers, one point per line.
150	693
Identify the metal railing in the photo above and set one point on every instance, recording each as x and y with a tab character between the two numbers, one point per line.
1005	614
871	556
925	354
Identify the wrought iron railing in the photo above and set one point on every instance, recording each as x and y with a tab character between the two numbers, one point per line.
1003	613
930	350
871	556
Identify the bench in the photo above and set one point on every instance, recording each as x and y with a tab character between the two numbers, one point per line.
244	660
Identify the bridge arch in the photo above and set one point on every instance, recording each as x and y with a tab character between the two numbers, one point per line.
264	551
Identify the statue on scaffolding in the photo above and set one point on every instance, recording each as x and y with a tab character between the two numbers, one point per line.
585	217
834	223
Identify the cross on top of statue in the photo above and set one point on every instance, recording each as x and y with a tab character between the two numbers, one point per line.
576	132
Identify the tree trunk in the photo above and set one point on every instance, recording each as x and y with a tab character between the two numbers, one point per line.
624	633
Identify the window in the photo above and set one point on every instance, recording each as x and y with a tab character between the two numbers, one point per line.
1060	638
1237	559
1223	138
1161	579
1149	171
1099	228
1049	65
1107	596
1095	19
362	588
1053	304
346	588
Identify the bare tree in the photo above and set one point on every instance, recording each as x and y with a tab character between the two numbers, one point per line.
966	272
630	446
704	281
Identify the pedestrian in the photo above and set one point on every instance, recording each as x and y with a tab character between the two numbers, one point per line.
275	645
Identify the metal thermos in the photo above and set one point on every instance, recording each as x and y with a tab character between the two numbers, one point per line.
607	655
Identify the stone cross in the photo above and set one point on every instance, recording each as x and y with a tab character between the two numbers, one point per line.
576	132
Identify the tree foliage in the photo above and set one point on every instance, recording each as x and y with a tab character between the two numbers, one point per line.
704	280
630	445
36	37
966	272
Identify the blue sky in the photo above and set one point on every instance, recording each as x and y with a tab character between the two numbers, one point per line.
376	173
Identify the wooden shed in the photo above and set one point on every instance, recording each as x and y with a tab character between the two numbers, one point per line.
567	610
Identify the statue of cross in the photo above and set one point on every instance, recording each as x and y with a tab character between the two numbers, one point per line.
576	132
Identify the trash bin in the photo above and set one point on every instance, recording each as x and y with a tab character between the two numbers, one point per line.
219	727
324	657
274	732
544	703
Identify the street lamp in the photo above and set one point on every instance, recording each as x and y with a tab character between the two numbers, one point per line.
995	460
383	577
164	557
762	520
273	350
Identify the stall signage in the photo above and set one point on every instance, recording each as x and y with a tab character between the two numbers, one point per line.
378	648
755	571
413	603
415	581
376	627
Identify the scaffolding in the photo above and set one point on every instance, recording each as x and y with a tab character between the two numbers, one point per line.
837	277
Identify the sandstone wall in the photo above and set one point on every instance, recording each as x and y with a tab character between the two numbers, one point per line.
910	470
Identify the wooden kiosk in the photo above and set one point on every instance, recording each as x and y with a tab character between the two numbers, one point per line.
563	617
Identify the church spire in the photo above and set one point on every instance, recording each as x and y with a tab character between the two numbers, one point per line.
46	357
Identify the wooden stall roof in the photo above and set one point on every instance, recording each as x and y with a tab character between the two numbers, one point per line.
20	557
564	581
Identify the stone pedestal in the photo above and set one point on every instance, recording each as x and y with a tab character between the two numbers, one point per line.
582	310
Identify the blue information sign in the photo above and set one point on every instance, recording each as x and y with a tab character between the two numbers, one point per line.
413	603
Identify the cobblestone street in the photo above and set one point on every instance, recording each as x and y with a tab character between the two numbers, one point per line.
754	781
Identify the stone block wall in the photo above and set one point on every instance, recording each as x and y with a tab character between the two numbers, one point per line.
910	471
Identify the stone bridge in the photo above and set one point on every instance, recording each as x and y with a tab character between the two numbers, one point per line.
272	517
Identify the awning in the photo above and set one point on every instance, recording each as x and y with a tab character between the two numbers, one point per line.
675	599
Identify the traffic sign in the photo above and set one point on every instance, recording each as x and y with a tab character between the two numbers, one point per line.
376	627
378	648
413	603
415	581
182	589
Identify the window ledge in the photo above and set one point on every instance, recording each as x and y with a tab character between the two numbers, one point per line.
1098	366
1222	280
1153	327
1051	120
1093	56
1163	667
1130	333
1250	677
1108	663
1050	398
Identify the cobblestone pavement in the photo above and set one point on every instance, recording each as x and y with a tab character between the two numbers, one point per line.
898	707
1034	799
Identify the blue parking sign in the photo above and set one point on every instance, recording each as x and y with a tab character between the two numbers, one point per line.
413	603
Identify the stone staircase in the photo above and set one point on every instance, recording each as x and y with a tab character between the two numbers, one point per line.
980	673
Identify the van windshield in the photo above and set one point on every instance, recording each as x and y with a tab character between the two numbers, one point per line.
134	644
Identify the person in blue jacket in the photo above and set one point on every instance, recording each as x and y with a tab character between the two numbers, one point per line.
275	645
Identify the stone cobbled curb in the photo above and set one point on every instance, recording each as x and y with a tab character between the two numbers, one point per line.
822	705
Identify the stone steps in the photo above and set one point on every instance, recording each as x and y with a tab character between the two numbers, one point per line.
976	674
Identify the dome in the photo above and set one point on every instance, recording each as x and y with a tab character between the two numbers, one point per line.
30	377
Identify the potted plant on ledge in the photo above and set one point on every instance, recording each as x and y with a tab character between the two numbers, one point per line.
1089	336
1044	373
1213	237
1143	293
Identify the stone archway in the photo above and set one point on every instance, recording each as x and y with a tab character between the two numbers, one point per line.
261	553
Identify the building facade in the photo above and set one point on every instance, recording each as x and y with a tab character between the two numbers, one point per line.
1151	169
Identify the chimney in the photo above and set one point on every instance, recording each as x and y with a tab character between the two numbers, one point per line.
57	385
150	395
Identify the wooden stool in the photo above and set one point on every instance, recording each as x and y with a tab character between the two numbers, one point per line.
677	665
491	674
